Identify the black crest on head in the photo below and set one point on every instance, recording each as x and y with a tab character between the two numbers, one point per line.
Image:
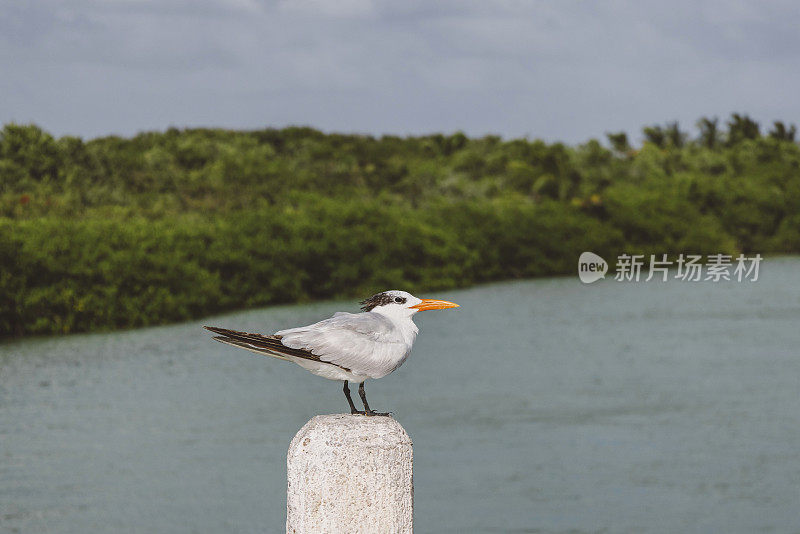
379	299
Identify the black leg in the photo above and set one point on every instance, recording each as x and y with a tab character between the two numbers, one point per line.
349	400
363	395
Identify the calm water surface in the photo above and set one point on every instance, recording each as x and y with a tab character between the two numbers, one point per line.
538	406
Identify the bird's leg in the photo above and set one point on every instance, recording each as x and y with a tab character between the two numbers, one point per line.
349	400
363	395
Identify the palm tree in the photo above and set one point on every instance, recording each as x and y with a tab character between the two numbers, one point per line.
619	142
742	127
780	132
674	135
709	132
655	135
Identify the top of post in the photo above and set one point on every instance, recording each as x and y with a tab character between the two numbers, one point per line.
344	429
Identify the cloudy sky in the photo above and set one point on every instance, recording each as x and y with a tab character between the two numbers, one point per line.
559	70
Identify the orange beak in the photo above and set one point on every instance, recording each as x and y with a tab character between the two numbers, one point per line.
431	304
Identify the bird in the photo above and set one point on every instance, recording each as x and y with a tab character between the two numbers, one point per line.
351	347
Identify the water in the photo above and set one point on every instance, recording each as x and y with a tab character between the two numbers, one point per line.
538	406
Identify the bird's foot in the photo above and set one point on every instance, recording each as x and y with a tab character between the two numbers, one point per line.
357	412
371	413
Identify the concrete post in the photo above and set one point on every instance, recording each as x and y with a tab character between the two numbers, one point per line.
350	474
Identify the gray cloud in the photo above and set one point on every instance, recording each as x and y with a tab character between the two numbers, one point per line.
557	70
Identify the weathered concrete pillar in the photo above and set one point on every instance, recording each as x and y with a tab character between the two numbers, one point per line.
350	474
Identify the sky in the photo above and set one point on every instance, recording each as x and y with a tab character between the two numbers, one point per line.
557	70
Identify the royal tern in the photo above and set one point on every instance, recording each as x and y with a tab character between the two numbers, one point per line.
349	346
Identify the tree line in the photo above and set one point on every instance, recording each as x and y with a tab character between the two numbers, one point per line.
166	226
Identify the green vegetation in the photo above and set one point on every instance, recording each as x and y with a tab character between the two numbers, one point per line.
170	226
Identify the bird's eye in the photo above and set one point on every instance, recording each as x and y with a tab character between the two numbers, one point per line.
399	300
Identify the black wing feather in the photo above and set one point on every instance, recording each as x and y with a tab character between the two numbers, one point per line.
271	343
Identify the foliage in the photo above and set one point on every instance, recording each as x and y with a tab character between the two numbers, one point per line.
169	226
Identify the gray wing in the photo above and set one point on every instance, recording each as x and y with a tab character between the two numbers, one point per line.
367	343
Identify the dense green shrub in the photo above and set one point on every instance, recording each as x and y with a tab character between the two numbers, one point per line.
169	226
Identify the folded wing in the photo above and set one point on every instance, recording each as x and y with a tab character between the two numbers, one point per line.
366	343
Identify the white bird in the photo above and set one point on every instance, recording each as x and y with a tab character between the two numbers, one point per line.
349	346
